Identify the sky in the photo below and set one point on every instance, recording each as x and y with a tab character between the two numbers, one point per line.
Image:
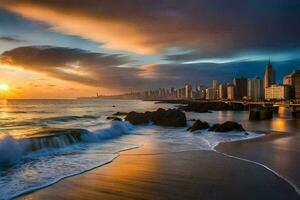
71	48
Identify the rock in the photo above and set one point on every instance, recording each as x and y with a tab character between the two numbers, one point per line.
114	118
120	113
260	114
137	118
198	125
160	117
227	127
204	107
213	127
170	117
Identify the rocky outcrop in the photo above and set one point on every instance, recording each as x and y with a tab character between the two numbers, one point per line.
137	118
227	127
114	118
203	107
260	114
160	117
198	125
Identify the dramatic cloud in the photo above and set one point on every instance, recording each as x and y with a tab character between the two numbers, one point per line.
113	71
212	28
74	65
9	39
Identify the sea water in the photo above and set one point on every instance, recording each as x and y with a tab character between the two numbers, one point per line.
44	141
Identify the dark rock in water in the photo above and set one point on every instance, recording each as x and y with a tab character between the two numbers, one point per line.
170	117
260	114
114	118
120	113
160	117
198	125
246	133
137	118
227	127
213	127
204	107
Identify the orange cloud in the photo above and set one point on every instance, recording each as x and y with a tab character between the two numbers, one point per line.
114	34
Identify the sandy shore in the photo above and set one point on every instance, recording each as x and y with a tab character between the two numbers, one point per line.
150	172
278	151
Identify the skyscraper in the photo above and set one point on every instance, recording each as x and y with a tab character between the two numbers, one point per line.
255	89
188	91
240	85
230	92
215	89
293	80
269	76
222	91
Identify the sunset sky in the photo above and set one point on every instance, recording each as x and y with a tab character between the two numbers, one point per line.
70	48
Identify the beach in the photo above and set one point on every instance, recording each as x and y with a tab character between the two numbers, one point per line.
150	172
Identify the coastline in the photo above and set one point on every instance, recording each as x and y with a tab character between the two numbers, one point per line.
150	173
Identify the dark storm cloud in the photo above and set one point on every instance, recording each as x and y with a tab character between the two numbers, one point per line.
9	39
210	27
108	71
74	65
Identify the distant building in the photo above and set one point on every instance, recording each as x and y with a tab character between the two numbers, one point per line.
215	89
269	76
222	91
209	93
277	92
255	89
230	92
293	80
188	91
201	92
240	85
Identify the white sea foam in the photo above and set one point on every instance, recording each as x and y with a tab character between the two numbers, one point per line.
10	150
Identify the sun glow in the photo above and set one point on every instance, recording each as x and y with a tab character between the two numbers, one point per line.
4	87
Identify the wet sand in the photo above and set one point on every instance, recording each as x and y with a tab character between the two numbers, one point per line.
150	172
278	151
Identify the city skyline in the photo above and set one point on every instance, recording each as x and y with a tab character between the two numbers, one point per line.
240	88
114	48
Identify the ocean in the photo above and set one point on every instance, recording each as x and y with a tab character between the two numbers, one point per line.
44	141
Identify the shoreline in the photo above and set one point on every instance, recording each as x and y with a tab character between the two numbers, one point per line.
142	153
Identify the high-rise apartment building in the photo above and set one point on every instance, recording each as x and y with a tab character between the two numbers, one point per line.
269	76
188	91
255	89
277	92
230	92
222	91
293	80
240	85
215	89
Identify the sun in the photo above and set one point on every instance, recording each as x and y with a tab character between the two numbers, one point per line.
4	87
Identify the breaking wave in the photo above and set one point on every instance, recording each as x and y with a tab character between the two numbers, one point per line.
13	149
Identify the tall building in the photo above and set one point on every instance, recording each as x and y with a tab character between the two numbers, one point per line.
188	91
230	92
222	91
215	89
277	92
240	85
255	89
269	76
293	80
209	94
